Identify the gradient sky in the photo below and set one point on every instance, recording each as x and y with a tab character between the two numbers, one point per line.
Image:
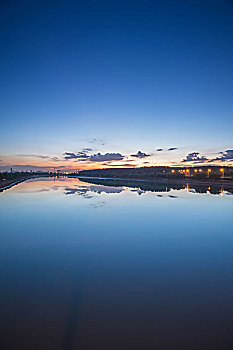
115	77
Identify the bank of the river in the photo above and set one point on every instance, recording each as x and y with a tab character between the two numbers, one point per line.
6	184
197	182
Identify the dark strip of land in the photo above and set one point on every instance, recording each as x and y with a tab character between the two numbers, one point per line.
164	185
185	181
6	184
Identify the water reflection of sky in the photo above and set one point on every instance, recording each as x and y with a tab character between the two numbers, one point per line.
86	189
89	266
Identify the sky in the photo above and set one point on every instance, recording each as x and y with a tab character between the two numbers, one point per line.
92	84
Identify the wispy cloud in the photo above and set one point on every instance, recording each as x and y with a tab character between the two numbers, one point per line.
120	165
97	205
97	141
28	167
40	156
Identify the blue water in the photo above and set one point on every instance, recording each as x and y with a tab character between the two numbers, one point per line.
88	266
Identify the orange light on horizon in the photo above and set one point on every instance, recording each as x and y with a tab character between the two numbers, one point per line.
200	170
173	170
209	170
222	170
195	170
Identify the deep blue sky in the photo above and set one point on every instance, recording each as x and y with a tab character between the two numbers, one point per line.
139	75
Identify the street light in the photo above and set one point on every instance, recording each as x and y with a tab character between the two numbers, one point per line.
222	171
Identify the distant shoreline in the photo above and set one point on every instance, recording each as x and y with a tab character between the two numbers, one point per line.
198	182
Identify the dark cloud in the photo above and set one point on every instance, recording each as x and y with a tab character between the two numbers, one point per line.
159	150
120	165
227	155
105	157
194	157
172	149
98	157
140	155
79	155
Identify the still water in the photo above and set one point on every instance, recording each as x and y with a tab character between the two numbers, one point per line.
90	266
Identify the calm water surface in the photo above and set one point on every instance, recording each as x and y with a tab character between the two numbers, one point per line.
88	266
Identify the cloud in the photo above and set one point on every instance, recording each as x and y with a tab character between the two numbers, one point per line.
54	159
159	150
97	141
105	189
120	165
140	155
97	205
172	149
19	167
86	150
194	157
227	155
80	155
80	191
98	157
